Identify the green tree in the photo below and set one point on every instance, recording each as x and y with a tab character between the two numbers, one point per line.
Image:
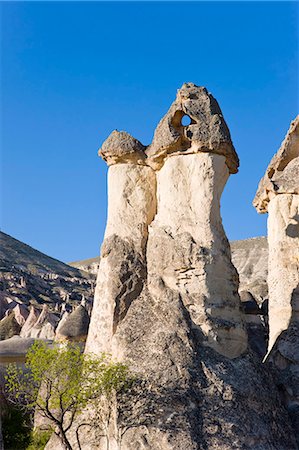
61	382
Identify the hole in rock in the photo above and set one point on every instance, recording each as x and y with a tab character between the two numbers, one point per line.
186	120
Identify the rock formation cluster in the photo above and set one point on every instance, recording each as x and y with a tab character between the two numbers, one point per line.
166	299
169	301
36	291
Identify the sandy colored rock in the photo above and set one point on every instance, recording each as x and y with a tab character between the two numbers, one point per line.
131	207
9	326
278	194
250	257
283	279
30	322
44	327
21	314
188	250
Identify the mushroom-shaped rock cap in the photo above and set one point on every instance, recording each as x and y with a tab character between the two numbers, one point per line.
75	326
121	147
207	131
282	174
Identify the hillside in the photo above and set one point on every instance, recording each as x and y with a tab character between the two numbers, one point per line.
31	278
22	256
250	257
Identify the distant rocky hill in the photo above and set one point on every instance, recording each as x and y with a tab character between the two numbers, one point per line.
90	265
36	290
249	256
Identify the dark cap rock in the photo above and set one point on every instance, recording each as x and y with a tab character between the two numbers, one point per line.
121	147
207	131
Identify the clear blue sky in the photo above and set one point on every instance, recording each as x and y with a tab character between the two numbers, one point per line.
73	72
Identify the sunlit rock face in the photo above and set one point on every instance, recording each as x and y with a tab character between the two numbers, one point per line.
171	191
278	194
167	300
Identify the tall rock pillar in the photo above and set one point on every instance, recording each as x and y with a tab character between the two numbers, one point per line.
131	208
187	249
278	195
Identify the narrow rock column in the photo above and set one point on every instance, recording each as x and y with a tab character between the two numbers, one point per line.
278	194
131	207
283	278
189	251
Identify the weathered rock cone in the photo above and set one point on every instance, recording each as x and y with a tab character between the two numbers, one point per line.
30	322
167	300
9	326
75	326
44	327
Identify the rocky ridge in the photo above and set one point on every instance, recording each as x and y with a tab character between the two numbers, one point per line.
36	290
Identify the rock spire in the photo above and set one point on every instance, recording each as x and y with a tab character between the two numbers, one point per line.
278	195
166	299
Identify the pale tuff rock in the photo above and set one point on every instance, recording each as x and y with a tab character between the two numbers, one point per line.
21	314
131	208
250	257
30	322
63	319
188	249
167	300
278	194
44	327
282	174
9	326
283	278
15	346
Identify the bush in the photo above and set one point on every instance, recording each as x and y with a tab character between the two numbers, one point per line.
16	429
61	382
39	439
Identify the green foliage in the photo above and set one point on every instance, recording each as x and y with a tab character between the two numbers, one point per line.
61	381
69	378
15	428
39	439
